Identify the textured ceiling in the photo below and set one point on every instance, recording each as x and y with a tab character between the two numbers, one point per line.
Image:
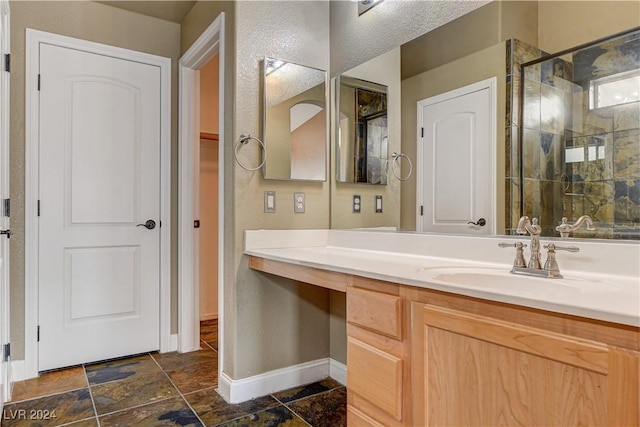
173	11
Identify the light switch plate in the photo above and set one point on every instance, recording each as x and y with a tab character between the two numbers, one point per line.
298	202
378	204
269	201
356	203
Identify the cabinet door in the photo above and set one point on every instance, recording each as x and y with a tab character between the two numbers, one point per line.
474	370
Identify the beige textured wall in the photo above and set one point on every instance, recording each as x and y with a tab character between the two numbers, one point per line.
384	70
566	24
482	65
357	39
95	22
277	323
209	170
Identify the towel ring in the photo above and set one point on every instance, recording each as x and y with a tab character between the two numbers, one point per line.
397	158
244	139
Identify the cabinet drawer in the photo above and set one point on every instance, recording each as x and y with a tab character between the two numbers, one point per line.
378	312
376	376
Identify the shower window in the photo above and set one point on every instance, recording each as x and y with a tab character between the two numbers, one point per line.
616	89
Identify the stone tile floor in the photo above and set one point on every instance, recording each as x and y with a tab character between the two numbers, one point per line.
165	390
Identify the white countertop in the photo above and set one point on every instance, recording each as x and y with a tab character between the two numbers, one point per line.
608	292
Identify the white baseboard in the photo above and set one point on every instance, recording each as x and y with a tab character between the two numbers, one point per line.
173	343
19	371
237	391
338	371
211	316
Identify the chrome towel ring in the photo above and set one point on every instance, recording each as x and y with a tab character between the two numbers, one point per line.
244	140
397	158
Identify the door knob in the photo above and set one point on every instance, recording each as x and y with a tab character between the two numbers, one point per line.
481	222
149	225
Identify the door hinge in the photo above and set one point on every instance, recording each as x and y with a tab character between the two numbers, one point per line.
38	81
7	62
421	210
7	352
422	132
6	207
38	334
38	207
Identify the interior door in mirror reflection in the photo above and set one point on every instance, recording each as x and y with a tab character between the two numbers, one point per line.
455	161
363	142
295	121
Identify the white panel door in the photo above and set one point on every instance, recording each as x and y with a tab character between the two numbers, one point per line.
99	178
456	164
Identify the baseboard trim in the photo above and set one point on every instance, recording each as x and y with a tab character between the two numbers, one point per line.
173	343
238	391
338	371
19	371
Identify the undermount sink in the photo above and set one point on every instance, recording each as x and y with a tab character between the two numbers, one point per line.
502	279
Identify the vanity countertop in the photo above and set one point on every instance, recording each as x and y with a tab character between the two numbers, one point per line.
600	282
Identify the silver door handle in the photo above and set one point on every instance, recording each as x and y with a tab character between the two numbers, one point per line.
149	225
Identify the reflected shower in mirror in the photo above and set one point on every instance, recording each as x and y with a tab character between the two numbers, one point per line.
581	138
295	121
362	131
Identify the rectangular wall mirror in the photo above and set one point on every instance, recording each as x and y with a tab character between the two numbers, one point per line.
361	121
295	121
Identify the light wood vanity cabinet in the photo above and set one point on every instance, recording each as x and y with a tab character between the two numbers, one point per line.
417	357
477	370
378	365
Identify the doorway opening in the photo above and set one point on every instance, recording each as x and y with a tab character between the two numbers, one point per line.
196	191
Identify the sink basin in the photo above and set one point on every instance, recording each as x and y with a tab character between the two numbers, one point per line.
501	279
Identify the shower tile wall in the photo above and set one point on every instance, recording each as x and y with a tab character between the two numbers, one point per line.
557	123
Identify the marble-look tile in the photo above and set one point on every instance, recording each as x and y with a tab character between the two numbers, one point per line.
306	390
119	369
551	110
556	72
213	410
508	94
597	121
209	332
531	142
323	410
522	53
626	116
551	205
51	410
279	416
89	422
626	152
531	105
516	196
195	377
516	95
599	201
550	156
130	392
174	360
531	198
50	383
170	412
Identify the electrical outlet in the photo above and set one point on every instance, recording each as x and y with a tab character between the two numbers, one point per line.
298	202
269	201
378	204
356	203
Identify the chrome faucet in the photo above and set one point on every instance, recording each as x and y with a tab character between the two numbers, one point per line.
565	228
531	226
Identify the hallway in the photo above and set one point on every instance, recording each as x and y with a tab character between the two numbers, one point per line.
165	390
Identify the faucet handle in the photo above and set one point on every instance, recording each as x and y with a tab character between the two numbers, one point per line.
552	248
512	245
518	261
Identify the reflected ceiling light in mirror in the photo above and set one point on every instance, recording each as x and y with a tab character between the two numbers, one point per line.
364	5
